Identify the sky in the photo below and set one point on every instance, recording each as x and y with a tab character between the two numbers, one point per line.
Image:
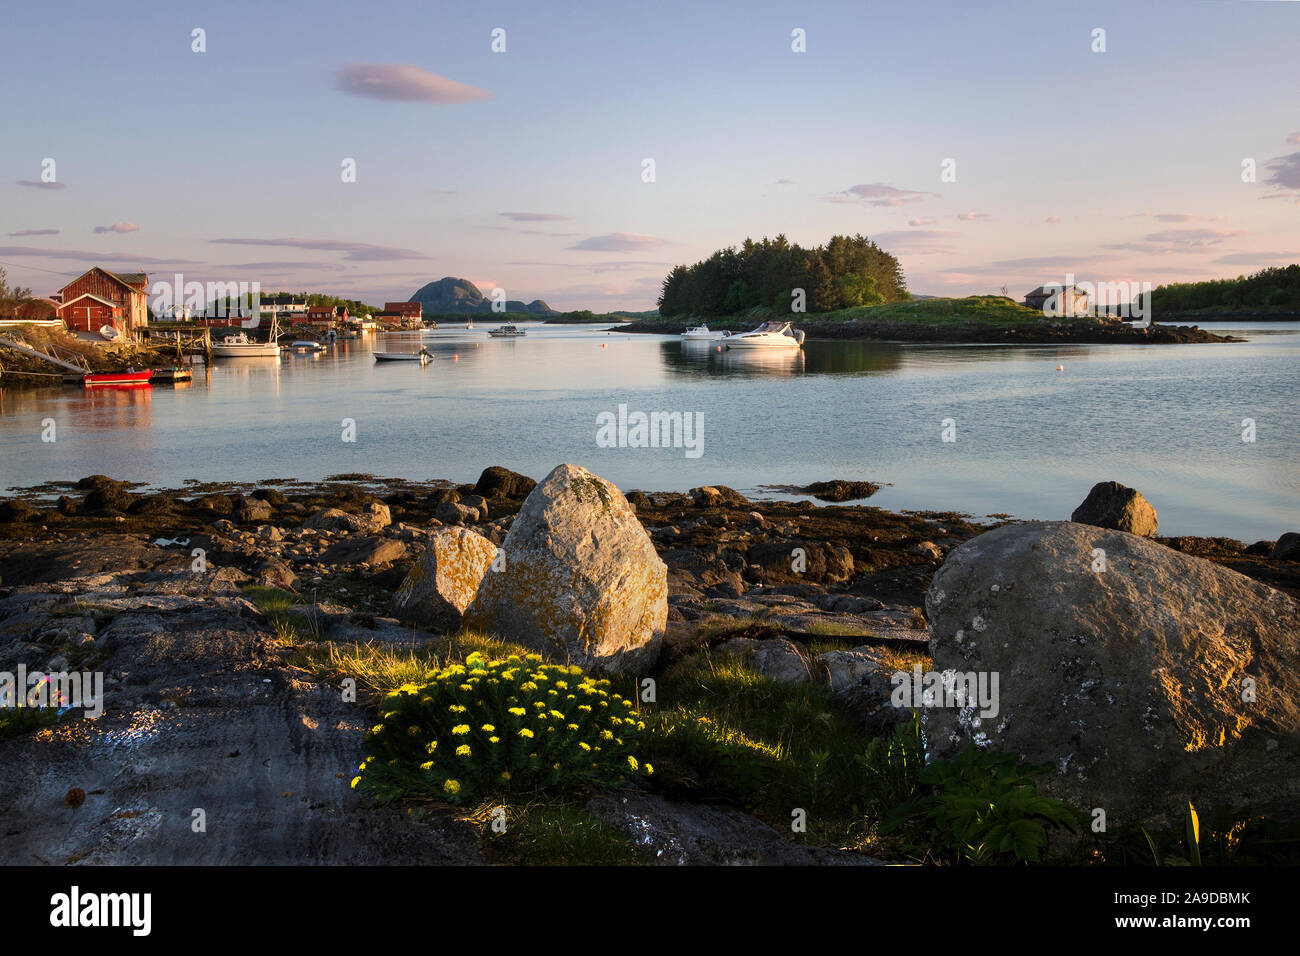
986	145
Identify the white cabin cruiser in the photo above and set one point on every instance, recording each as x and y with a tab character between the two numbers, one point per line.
240	345
769	335
703	332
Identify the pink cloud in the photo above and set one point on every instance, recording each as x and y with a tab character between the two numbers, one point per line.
400	81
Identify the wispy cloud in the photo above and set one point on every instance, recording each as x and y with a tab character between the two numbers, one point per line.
784	182
92	257
35	184
878	194
1293	138
118	227
1053	218
619	242
353	251
921	222
402	82
1193	238
534	216
35	232
1284	171
1258	259
918	242
1175	217
972	216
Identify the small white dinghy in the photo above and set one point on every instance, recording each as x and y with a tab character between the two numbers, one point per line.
769	335
703	333
110	332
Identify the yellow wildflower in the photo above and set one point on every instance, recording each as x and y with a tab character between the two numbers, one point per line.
451	787
460	729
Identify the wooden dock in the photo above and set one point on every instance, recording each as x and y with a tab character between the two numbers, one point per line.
186	339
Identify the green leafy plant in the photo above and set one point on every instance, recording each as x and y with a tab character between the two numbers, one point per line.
1192	838
498	726
893	763
982	808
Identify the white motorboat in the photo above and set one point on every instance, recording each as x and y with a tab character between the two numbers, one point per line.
421	356
306	345
239	345
769	335
702	332
505	331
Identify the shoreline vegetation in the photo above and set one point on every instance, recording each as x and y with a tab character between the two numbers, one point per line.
299	593
974	319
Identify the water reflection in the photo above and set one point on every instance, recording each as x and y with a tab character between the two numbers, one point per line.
714	358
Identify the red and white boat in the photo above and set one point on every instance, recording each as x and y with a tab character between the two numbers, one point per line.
129	377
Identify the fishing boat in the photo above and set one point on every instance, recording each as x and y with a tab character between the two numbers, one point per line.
769	335
703	332
128	377
239	345
422	356
170	376
506	331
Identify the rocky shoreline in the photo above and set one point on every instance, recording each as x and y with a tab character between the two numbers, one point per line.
98	575
1046	333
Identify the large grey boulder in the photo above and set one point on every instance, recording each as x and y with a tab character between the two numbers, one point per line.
1112	505
444	579
1287	547
581	582
1144	676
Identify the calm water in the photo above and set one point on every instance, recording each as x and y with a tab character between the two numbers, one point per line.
1030	441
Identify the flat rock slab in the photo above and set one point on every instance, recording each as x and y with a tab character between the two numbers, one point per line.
266	758
672	833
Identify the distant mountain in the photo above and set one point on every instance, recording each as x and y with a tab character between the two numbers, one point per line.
450	296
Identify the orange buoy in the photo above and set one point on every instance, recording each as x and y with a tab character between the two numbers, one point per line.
603	344
1060	368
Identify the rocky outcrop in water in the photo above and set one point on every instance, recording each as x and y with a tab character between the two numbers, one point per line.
1112	505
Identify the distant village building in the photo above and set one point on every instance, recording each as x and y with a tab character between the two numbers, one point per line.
324	315
285	306
99	297
402	310
1060	300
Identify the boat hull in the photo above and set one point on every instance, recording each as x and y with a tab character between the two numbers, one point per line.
253	350
761	342
100	379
